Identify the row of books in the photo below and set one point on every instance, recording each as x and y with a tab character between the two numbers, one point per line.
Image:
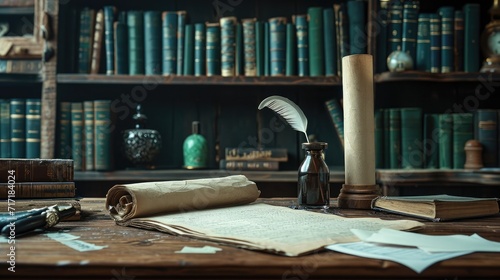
86	134
20	127
439	42
164	42
240	158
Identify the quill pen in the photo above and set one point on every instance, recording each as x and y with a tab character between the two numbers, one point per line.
288	110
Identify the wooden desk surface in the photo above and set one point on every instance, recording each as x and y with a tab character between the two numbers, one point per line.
134	254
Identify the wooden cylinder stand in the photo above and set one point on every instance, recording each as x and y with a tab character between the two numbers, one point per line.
358	196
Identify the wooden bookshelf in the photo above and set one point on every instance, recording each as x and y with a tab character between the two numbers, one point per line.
419	76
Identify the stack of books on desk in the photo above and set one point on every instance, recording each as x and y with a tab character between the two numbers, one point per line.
253	158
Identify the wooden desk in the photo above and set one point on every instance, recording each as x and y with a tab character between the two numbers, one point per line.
134	254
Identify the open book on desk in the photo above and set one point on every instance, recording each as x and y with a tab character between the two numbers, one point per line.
224	210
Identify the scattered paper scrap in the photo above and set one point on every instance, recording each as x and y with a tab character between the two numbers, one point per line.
199	250
71	241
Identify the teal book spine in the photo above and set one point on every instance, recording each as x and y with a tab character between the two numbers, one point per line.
228	45
291	50
431	140
337	115
188	50
447	14
381	37
394	25
445	141
249	46
410	27
395	155
135	23
411	138
267	58
77	135
33	122
169	46
379	139
356	13
5	128
199	49
277	45
458	52
487	127
239	57
387	137
102	135
423	55
64	130
463	131
330	41
181	25
302	45
472	31
121	44
343	37
259	48
435	27
316	45
109	45
88	135
18	127
213	49
152	43
85	40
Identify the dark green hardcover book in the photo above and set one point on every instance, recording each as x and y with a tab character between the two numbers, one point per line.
5	128
487	135
431	141
337	115
102	135
239	57
135	23
88	135
249	46
395	155
18	66
169	35
387	144
188	50
199	49
423	56
381	37
64	130
121	44
459	41
411	138
266	49
342	24
463	131
291	50
87	17
394	25
447	14
259	48
472	31
152	43
213	49
302	45
33	122
18	127
379	139
356	13
410	26
445	141
109	45
316	45
277	46
77	135
181	25
435	27
330	41
228	45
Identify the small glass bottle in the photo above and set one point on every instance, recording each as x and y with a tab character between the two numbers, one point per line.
314	177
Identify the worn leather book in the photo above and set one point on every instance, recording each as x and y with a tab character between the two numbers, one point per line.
36	170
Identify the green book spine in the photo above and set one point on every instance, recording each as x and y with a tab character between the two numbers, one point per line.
411	138
316	45
423	55
330	41
77	135
65	130
435	27
33	122
410	26
188	50
291	50
199	49
109	19
5	128
447	14
152	43
387	137
487	127
169	35
239	58
213	49
445	141
381	55
85	40
18	127
228	45
395	156
88	135
259	48
431	146
394	25
135	23
379	139
102	135
472	33
302	45
266	49
343	37
121	44
463	131
356	13
181	25
249	46
277	46
337	115
459	41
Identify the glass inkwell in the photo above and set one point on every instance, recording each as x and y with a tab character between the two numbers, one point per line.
314	178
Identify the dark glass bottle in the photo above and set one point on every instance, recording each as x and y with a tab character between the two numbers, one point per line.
314	177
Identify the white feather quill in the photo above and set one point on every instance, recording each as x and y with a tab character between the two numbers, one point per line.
288	110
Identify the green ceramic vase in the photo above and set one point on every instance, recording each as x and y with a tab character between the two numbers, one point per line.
195	149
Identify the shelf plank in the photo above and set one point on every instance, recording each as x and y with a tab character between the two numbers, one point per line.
436	77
